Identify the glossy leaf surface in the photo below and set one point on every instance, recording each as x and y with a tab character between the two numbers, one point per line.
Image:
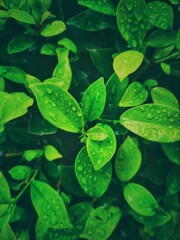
97	133
51	153
30	155
53	29
20	172
22	16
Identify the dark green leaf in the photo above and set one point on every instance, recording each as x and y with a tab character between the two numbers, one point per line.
5	195
128	160
172	151
178	40
53	29
7	232
153	122
20	172
94	183
21	16
97	133
173	180
61	110
51	153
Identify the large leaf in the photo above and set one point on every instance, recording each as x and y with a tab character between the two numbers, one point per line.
128	160
5	195
49	206
101	152
21	16
9	105
94	183
61	109
102	6
93	100
126	63
172	151
132	20
154	122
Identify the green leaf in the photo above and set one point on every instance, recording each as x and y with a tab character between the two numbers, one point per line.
173	180
161	53
166	68
66	234
20	43
51	153
66	42
48	49
101	223
52	29
97	133
93	100
172	151
132	21
61	109
6	212
7	232
2	84
160	15
94	183
20	172
164	97
106	7
4	14
9	105
154	122
92	21
134	95
5	195
150	83
128	160
30	155
101	152
14	74
21	16
140	199
49	205
178	40
127	62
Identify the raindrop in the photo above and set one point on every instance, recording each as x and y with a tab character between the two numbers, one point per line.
129	7
48	207
73	108
49	90
79	114
170	127
150	116
138	16
134	43
80	168
126	36
113	90
176	115
171	120
100	3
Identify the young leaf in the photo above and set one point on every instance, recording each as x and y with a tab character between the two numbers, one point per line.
53	29
173	180
66	42
97	133
14	74
134	95
21	16
106	7
51	153
132	21
48	49
30	155
160	15
164	97
20	172
61	109
101	152
94	183
154	122
5	195
166	68
49	206
101	223
126	63
128	160
20	43
140	199
172	151
9	106
93	100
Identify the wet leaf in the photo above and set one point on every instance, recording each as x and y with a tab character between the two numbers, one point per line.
154	122
20	172
53	29
173	180
93	182
97	133
128	160
126	63
134	95
5	195
21	16
172	151
93	100
49	206
140	199
61	110
102	6
132	21
101	152
51	153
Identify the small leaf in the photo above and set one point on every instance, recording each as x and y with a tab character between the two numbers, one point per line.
173	180
132	21
49	205
106	7
30	155
164	97
150	83
154	122
97	133
61	109
14	74
20	43
134	95
51	153
48	49
172	151
21	16
126	63
101	223
166	68
5	195
160	15
140	199
101	152
53	29
20	172
94	183
128	160
93	100
66	42
9	106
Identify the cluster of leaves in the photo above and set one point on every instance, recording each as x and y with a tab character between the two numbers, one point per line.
89	119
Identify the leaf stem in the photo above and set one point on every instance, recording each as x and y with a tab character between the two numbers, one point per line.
173	55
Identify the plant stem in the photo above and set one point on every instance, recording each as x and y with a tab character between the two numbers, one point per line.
173	55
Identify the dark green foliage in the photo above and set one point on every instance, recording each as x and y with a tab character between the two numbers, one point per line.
89	120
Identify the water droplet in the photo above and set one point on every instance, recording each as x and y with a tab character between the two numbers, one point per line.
100	3
171	120
138	16
170	127
48	207
113	90
134	43
126	36
74	109
176	115
80	168
150	116
79	114
129	7
99	162
49	90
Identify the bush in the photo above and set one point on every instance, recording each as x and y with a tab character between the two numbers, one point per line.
90	121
